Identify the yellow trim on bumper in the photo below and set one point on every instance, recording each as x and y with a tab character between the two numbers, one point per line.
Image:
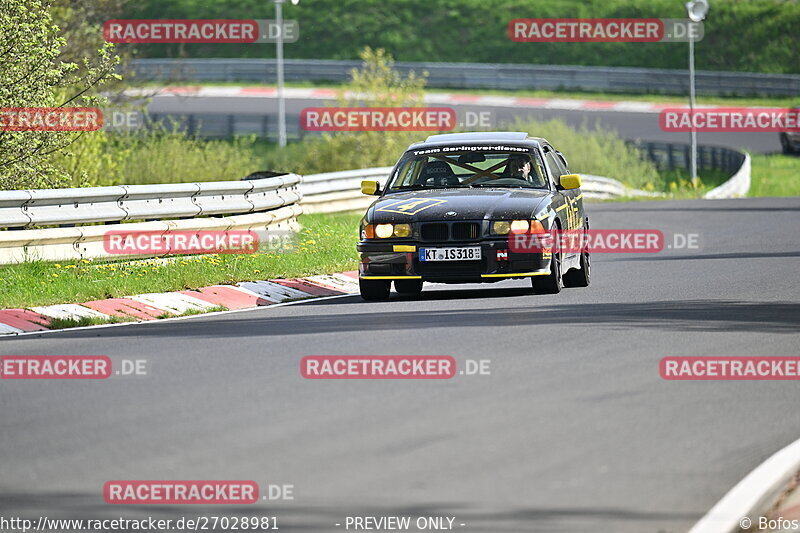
403	248
517	275
391	277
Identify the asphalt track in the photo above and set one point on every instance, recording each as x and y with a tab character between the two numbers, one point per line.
573	431
629	125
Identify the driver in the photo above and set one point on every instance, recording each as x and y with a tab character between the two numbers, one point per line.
519	166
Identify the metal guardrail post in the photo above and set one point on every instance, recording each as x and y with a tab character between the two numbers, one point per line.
670	157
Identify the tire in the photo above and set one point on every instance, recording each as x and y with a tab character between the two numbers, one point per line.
408	286
374	290
552	283
582	277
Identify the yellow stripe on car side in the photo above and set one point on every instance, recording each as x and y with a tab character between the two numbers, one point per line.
517	275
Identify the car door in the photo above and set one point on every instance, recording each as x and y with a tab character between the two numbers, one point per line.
569	203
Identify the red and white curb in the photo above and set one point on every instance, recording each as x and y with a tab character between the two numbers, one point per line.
152	306
739	509
430	98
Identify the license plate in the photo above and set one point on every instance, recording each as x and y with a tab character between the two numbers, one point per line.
450	254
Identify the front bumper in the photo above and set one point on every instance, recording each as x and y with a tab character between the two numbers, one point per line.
400	260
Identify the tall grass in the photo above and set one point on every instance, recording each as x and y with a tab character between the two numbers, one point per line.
160	157
775	175
168	157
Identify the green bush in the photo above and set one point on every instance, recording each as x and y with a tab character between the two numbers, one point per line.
157	157
740	35
172	157
33	73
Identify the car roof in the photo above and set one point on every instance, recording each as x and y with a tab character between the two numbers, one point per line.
519	138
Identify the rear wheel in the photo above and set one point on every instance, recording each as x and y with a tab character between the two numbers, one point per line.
374	289
582	277
552	283
408	286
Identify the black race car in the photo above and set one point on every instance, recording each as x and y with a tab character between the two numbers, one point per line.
453	204
790	140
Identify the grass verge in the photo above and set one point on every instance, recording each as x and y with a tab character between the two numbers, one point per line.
64	323
327	243
775	175
193	312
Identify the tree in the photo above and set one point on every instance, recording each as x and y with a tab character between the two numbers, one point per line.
34	74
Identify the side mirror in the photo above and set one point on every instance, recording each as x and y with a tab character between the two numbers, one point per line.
571	181
370	187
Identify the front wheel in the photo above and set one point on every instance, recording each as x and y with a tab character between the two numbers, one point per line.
552	283
582	277
373	290
408	286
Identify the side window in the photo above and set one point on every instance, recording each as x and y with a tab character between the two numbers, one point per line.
563	162
557	168
541	173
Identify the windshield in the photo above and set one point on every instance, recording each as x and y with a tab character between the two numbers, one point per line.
425	169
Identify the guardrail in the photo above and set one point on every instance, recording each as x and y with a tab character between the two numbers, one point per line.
673	156
341	191
478	76
252	204
258	205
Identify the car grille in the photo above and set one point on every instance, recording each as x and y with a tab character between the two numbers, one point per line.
452	231
465	230
434	232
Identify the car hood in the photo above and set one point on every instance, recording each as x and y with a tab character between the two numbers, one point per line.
467	204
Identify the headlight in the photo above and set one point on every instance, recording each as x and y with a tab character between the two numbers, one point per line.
402	230
384	231
504	227
519	226
501	227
